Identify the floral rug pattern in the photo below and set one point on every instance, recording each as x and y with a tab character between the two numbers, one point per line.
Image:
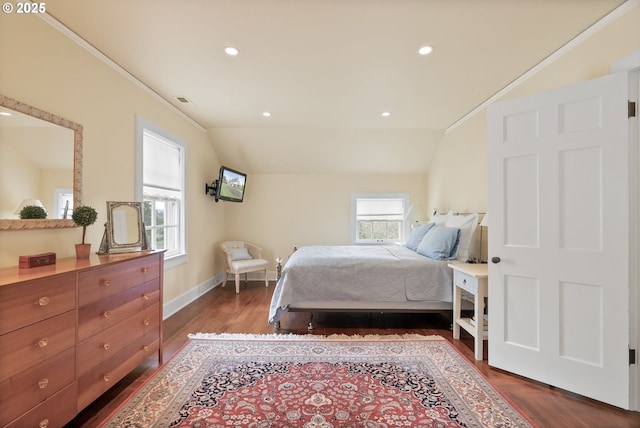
317	382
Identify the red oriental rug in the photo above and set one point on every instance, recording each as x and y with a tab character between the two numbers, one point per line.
316	382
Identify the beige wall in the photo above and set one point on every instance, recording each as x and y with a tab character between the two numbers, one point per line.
280	211
42	67
457	177
11	163
49	182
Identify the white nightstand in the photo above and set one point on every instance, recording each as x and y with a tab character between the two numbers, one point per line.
474	279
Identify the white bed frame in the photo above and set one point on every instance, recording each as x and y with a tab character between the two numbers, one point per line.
367	306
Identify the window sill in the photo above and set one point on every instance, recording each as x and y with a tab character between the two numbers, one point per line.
175	261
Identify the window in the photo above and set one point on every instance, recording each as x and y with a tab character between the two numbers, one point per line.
62	203
378	217
161	172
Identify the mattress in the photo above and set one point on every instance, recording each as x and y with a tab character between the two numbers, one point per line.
361	277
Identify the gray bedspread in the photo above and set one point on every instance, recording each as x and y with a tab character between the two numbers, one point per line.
390	273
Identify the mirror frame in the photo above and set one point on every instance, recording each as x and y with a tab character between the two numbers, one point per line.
8	224
109	244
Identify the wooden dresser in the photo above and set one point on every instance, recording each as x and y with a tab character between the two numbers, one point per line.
70	331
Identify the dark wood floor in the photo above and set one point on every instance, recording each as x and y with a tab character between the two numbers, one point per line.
222	310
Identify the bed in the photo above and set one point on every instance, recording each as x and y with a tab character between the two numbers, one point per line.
376	278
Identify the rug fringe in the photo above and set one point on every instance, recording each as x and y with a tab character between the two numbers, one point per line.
290	336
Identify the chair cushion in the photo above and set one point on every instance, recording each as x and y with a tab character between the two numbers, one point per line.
241	253
242	266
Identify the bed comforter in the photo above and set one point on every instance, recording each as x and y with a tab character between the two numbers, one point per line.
390	273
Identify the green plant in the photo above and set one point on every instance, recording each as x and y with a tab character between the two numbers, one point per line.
84	216
32	211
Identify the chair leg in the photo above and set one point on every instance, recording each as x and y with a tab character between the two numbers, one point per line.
266	278
237	283
226	278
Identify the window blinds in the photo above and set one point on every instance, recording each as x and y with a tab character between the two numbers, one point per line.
380	209
161	163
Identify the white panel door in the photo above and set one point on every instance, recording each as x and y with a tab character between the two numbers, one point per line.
559	202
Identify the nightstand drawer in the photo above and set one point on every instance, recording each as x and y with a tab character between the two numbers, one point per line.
466	282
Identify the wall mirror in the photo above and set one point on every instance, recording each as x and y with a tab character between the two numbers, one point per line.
40	158
124	230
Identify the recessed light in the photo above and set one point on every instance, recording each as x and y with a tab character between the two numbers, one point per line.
231	51
386	114
425	50
4	113
266	114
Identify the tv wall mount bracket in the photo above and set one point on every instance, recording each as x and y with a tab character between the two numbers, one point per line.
211	189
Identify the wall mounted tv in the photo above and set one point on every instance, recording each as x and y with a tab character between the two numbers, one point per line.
231	185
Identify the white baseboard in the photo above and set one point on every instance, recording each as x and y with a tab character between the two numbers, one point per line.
180	302
258	276
253	276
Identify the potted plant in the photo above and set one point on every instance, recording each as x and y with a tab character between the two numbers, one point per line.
84	216
32	211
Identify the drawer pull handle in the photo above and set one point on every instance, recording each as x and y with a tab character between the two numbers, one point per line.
146	348
144	269
105	282
43	301
145	297
106	314
44	423
106	345
464	281
146	322
43	342
106	378
43	383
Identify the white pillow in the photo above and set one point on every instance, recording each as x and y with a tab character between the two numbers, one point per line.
467	225
240	254
441	219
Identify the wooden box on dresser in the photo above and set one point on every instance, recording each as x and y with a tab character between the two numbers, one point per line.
70	331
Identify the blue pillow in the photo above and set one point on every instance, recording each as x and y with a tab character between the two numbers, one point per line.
440	243
416	235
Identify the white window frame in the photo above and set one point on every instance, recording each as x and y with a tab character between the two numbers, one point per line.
354	225
60	197
180	256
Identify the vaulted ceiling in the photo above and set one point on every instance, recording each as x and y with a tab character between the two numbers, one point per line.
326	70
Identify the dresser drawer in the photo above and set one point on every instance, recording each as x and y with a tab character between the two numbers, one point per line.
96	284
55	412
26	389
100	315
100	347
25	303
31	345
99	379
